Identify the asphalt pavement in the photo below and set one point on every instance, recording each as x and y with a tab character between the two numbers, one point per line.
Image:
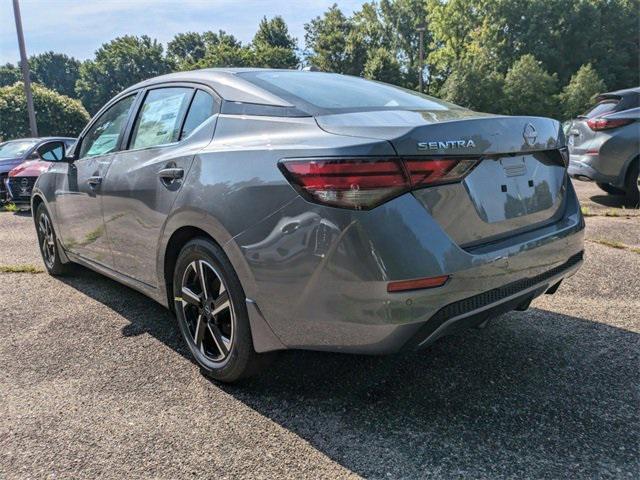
95	382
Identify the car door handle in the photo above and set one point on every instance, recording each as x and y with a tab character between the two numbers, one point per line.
170	174
94	181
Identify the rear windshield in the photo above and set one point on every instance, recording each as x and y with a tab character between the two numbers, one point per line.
601	108
331	92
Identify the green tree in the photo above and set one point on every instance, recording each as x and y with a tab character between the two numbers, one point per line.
579	94
56	71
221	37
383	66
326	38
273	46
529	89
401	20
119	64
274	33
453	26
186	49
266	56
56	114
474	84
9	74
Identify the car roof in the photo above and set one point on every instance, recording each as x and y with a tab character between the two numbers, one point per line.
626	92
224	81
39	139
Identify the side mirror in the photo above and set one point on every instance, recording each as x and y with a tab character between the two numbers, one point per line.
53	152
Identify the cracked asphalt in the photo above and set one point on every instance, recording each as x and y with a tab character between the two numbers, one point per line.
96	383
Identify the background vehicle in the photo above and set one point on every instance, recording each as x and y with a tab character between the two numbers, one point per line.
276	209
15	152
604	144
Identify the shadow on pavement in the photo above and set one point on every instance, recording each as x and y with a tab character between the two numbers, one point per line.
536	394
614	201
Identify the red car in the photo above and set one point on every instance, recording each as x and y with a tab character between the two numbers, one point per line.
20	180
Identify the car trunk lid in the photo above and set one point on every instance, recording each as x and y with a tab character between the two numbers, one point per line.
519	180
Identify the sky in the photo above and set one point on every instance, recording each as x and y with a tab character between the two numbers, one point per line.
79	27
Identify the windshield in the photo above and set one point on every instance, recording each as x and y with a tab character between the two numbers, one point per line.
334	92
15	148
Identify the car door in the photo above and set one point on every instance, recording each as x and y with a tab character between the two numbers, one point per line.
78	194
173	123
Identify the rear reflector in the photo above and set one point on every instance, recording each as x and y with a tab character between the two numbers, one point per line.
417	284
363	183
603	123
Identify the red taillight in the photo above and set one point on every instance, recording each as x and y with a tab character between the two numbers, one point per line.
417	284
603	123
363	183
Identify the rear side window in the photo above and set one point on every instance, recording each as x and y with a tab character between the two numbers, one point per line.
202	107
160	117
601	108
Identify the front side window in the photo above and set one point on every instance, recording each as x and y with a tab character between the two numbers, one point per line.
202	107
160	118
102	137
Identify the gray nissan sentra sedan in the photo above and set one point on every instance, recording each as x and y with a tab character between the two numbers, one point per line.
275	209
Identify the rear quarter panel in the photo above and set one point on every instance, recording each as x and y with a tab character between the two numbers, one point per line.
235	183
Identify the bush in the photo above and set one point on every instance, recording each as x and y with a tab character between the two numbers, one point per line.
55	113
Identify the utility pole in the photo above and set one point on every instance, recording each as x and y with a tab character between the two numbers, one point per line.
25	70
421	71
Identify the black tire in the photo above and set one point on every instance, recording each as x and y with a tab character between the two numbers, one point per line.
224	348
632	196
48	243
610	189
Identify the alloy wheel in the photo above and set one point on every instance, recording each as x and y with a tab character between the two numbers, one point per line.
208	310
47	240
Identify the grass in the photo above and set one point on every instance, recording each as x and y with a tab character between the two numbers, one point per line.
615	244
10	207
20	268
586	212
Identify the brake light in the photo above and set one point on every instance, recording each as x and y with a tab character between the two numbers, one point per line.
603	123
362	183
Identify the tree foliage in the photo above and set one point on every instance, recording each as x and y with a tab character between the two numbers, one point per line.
529	89
56	114
274	33
56	71
117	65
9	74
580	92
545	57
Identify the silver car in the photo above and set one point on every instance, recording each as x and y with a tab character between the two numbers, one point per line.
275	209
604	144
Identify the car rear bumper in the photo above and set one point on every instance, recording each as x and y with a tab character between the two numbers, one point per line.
581	167
320	282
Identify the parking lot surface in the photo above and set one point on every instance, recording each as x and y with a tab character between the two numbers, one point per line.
96	382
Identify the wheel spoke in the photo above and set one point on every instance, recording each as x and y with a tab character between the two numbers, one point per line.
190	297
199	333
222	343
203	280
221	303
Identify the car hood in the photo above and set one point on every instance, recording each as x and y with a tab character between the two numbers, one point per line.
30	168
7	164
